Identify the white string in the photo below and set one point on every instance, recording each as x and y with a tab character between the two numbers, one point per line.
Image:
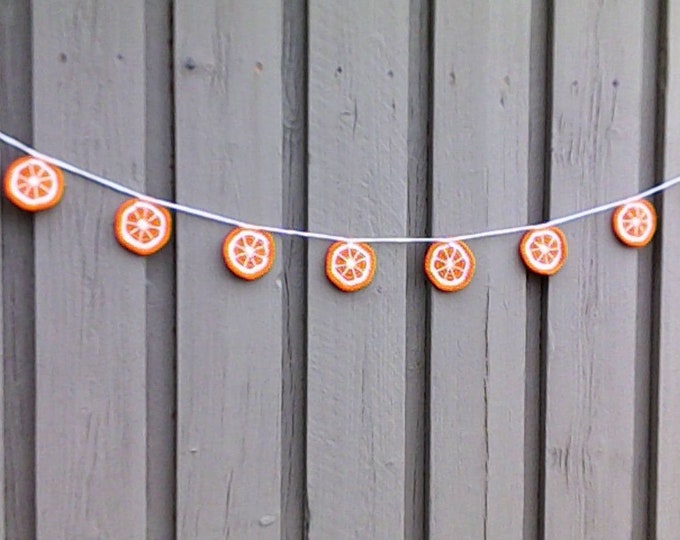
190	210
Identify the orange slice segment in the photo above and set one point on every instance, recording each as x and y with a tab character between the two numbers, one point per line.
350	266
449	265
249	254
634	223
544	250
33	184
142	227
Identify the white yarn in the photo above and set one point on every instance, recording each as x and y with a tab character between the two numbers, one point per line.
115	186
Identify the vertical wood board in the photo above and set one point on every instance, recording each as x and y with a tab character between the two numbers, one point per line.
417	317
600	152
228	140
667	503
294	275
358	88
540	75
90	303
17	511
480	181
161	373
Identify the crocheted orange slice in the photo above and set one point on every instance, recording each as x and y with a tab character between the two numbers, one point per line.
249	254
142	227
350	266
449	265
544	250
33	185
634	223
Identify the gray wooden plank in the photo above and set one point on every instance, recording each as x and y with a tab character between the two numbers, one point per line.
17	511
161	372
597	353
294	276
228	155
481	166
417	316
666	512
536	287
358	166
89	107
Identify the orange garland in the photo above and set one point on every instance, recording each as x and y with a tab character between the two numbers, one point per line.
144	228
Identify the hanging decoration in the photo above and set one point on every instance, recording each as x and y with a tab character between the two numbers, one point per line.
544	251
249	254
449	265
350	266
635	223
143	225
33	185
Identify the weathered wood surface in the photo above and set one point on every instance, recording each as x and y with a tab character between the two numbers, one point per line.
161	340
597	350
293	254
229	332
17	515
666	465
89	107
163	398
417	317
358	84
480	181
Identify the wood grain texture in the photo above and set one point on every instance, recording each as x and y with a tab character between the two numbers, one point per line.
667	504
597	342
358	165
294	276
161	372
228	99
17	519
536	292
163	398
89	107
417	315
481	167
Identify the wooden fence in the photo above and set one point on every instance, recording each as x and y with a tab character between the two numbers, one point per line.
163	398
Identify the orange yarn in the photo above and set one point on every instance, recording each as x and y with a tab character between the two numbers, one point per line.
249	254
33	185
450	266
142	227
350	266
544	251
634	224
